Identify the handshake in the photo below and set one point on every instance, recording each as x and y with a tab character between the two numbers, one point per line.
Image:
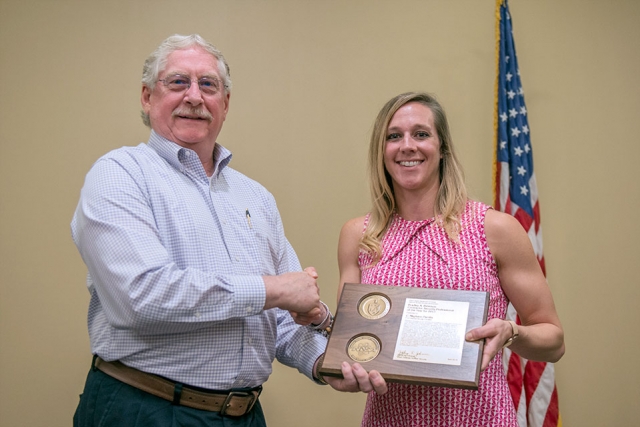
298	293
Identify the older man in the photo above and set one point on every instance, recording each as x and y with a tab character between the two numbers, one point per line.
194	286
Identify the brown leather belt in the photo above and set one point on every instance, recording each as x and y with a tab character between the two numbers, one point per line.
233	403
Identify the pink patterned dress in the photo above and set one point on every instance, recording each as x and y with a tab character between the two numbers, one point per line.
418	253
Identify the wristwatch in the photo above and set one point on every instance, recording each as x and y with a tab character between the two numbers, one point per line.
514	334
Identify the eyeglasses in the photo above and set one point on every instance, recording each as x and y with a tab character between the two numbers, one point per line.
180	83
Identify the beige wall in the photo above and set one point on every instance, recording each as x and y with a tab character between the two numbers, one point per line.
309	77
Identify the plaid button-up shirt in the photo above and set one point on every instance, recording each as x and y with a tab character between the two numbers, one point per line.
175	260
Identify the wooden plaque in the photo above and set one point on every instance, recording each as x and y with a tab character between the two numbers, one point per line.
407	334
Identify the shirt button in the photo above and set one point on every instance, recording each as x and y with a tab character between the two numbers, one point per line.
197	314
249	309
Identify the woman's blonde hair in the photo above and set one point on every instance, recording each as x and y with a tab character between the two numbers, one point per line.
452	193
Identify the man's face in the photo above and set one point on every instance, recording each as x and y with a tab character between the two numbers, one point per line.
189	118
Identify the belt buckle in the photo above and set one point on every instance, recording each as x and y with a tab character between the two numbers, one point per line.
232	394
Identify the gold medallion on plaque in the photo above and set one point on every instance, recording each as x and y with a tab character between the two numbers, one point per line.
363	348
374	306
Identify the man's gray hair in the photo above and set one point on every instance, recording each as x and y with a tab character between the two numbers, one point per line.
157	61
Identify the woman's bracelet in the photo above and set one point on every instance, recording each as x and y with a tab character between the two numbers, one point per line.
324	327
514	334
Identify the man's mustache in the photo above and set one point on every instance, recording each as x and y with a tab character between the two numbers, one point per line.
193	113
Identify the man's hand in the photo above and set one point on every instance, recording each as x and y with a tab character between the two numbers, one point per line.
356	379
295	292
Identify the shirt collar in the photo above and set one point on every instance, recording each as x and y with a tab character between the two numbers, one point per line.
181	158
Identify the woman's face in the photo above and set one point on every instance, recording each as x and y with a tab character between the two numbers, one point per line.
412	149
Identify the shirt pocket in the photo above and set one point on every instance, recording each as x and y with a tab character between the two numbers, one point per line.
262	245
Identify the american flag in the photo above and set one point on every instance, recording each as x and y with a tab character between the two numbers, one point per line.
532	384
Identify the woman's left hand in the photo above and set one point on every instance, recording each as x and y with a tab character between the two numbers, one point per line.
495	332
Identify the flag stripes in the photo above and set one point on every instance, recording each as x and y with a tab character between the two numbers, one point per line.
532	384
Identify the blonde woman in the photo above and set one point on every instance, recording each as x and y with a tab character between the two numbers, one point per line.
423	231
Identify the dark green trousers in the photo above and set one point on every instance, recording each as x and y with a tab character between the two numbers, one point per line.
107	402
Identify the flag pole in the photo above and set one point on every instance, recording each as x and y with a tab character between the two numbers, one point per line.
496	178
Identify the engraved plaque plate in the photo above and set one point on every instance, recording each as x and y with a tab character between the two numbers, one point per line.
409	335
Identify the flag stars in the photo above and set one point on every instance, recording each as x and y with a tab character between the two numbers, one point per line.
522	171
524	190
509	76
511	94
527	148
503	145
503	117
515	132
518	151
520	91
523	110
525	129
513	112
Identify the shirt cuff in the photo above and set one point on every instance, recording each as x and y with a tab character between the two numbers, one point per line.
250	295
316	347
